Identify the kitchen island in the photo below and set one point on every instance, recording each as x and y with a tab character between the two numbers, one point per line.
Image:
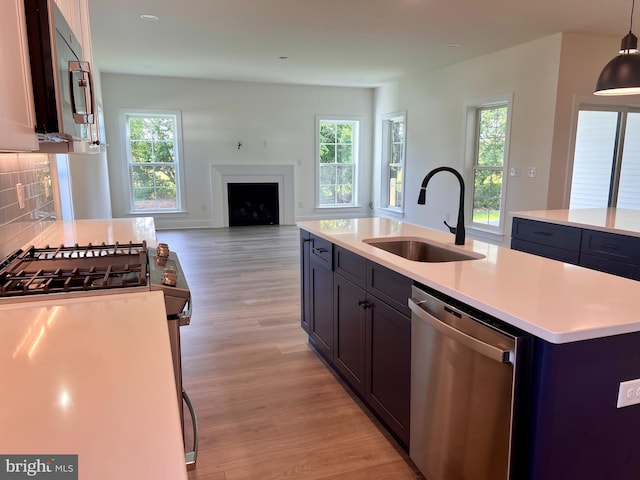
552	300
582	323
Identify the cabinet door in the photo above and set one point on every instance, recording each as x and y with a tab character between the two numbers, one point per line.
321	295
388	366
350	303
558	242
305	299
17	117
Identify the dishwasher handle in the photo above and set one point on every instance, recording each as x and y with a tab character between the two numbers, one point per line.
491	351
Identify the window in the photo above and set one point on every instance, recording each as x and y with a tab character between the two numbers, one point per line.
337	141
489	124
393	154
152	146
606	160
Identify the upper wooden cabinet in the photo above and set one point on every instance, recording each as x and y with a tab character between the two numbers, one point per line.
17	116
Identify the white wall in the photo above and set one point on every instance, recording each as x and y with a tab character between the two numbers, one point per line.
435	104
216	115
547	78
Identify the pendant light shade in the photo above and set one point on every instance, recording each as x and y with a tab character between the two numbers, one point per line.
621	76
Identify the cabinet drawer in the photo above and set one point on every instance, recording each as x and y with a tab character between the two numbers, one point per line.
605	265
619	248
350	265
553	253
389	286
558	236
322	250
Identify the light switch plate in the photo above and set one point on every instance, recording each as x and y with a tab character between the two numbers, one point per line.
629	393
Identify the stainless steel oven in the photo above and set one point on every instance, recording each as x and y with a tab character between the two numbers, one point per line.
38	273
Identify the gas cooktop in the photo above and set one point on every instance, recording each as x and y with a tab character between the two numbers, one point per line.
75	268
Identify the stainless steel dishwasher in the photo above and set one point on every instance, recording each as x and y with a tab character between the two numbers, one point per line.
462	390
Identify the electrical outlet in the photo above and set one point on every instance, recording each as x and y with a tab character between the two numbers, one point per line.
629	393
20	192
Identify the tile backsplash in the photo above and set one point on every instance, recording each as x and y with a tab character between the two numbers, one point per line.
19	225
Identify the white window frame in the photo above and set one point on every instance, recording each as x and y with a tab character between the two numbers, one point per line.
471	145
623	110
178	158
386	149
357	121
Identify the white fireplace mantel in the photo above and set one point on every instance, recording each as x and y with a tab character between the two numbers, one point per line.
222	175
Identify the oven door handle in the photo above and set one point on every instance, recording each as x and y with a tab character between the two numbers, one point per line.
185	316
191	457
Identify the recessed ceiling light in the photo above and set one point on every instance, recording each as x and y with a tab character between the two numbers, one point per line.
283	58
455	45
147	16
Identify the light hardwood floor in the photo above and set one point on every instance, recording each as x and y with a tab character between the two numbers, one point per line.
267	406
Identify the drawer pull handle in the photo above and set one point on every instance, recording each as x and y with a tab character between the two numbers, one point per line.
609	246
319	250
544	234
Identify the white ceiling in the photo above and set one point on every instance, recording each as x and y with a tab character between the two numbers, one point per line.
361	43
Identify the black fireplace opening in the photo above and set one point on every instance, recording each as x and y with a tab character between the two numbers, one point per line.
253	204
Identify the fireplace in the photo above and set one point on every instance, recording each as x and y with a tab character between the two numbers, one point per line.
253	204
224	175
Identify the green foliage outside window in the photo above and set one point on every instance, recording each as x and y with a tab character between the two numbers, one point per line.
153	161
395	162
337	164
489	163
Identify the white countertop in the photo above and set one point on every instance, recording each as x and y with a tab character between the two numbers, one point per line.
92	376
614	220
109	231
555	301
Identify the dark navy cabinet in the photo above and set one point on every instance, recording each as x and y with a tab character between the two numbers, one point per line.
557	242
370	344
603	251
316	284
611	253
305	298
577	431
373	337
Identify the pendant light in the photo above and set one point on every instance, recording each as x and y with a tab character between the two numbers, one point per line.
621	76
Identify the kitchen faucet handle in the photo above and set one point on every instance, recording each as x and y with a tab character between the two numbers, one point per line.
451	229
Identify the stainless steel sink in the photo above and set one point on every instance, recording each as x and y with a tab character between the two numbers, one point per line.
422	251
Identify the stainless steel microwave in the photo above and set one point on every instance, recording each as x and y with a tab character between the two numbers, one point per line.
62	82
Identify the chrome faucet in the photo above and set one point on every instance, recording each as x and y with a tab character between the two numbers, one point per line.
458	230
